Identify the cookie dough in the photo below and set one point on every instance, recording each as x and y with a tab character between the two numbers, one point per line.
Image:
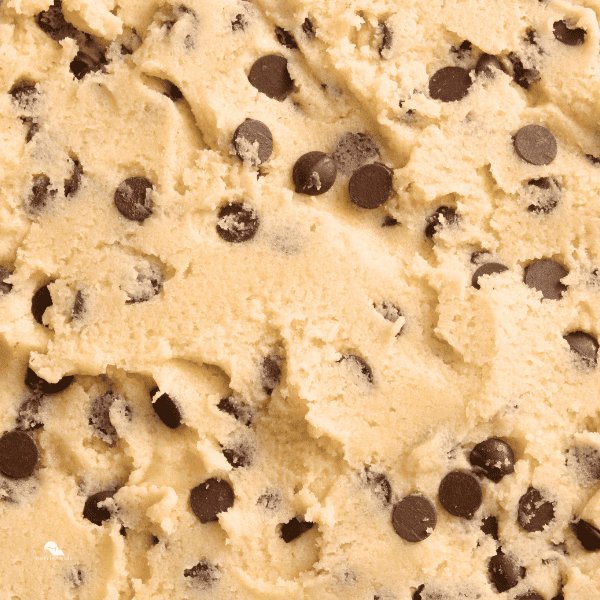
300	300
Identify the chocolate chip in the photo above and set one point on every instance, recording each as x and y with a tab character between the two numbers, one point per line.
270	374
210	498
460	494
594	160
5	287
585	462
353	150
238	455
489	526
587	534
74	182
494	457
165	408
314	173
547	192
203	575
79	307
99	418
504	572
545	276
463	50
40	302
94	513
253	142
123	531
308	28
443	217
18	454
361	365
237	409
560	595
450	84
133	199
85	63
154	540
237	222
389	221
269	75
535	144
534	513
380	485
148	283
571	37
386	40
39	197
172	91
585	346
25	95
488	65
531	595
52	23
414	518
40	386
523	77
490	268
294	528
390	312
32	128
239	23
285	38
417	594
371	185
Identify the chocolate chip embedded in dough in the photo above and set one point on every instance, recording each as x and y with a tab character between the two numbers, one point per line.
203	575
25	95
386	39
270	374
285	38
28	417
172	91
253	142
294	528
380	485
238	455
210	498
40	302
487	65
237	222
270	500
147	285
79	307
133	198
523	77
489	526
5	287
52	23
18	454
584	462
414	518
94	513
535	512
240	23
389	221
547	192
353	150
32	127
531	595
308	28
74	182
38	385
390	312
450	84
361	364
99	418
165	408
460	494
371	185
494	457
39	197
545	276
237	409
314	173
444	216
585	346
587	534
75	577
504	572
571	37
535	144
490	268
269	75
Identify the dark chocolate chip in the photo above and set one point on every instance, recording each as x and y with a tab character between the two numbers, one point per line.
18	454
40	386
52	23
460	494
371	185
450	84
123	531
531	37
240	23
523	77
414	518
237	222
82	64
270	374
390	312
148	283
294	528
386	39
487	269
547	192
253	142
72	184
560	595
587	534
40	302
269	75
99	418
154	540
204	575
571	37
595	161
417	594
133	199
380	485
545	276
535	144
504	572
172	91
237	409
5	287
238	455
487	65
494	457
308	28
489	526
479	256
165	408
39	197
444	216
32	128
314	173
210	498
585	462
389	221
285	38
535	512
25	95
94	513
354	150
585	346
463	50
531	595
361	364
79	307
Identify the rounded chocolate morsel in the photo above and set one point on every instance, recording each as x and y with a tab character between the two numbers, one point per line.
39	197
237	222
487	269
74	182
271	374
535	512
18	454
314	173
5	287
545	276
165	408
571	37
371	185
253	142
285	38
587	534
380	485
269	75
489	526
460	494
237	409
40	301
361	364
535	144
449	84
531	595
294	528
94	513
494	457
487	65
504	572
38	385
444	216
133	199
202	575
585	346
547	192
210	498
414	518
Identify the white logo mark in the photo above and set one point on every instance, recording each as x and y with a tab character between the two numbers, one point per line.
53	549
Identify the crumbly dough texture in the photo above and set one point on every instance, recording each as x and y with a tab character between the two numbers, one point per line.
329	361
